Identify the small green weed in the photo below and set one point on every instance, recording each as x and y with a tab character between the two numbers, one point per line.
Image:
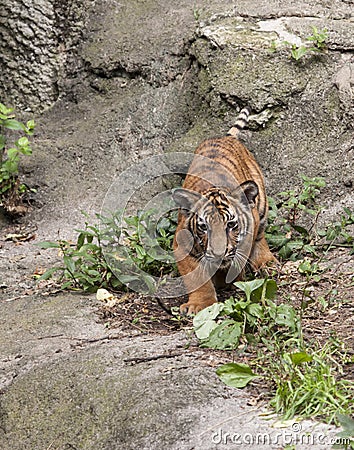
292	224
196	14
317	40
11	190
297	52
84	265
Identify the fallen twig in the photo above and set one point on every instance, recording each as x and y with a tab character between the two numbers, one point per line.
141	359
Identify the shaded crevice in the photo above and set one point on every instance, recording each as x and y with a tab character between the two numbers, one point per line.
117	72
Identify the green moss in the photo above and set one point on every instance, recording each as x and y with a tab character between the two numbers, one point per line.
49	404
204	82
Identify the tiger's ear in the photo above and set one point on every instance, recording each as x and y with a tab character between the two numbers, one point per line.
251	191
185	198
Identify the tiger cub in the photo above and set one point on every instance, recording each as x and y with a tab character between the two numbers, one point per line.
222	217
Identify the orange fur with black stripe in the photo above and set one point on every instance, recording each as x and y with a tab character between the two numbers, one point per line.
222	218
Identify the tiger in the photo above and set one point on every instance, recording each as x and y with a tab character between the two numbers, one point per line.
222	216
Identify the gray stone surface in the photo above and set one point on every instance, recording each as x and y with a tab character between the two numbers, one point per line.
126	80
37	38
65	382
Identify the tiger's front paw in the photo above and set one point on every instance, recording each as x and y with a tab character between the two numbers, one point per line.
268	268
193	307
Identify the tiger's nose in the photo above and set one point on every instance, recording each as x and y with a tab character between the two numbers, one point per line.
215	255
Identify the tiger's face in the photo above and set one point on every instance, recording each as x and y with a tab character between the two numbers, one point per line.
221	223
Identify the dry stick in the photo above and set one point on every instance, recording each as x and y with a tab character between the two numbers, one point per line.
83	340
152	358
163	306
51	445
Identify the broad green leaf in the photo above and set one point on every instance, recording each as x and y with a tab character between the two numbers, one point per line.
26	150
12	152
10	165
310	249
224	336
80	241
241	305
235	375
268	290
301	230
5	110
249	286
204	322
140	251
22	142
2	141
69	263
255	310
84	278
347	424
229	306
94	273
89	247
13	124
276	241
300	357
30	126
271	290
49	273
286	316
125	279
290	247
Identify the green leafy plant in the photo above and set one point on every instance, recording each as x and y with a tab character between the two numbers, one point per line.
11	189
292	224
222	325
84	265
145	239
112	254
285	232
317	40
336	233
306	384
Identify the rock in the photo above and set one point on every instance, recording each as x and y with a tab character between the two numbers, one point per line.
68	383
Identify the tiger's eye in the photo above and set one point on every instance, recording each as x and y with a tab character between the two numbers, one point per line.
231	224
202	226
